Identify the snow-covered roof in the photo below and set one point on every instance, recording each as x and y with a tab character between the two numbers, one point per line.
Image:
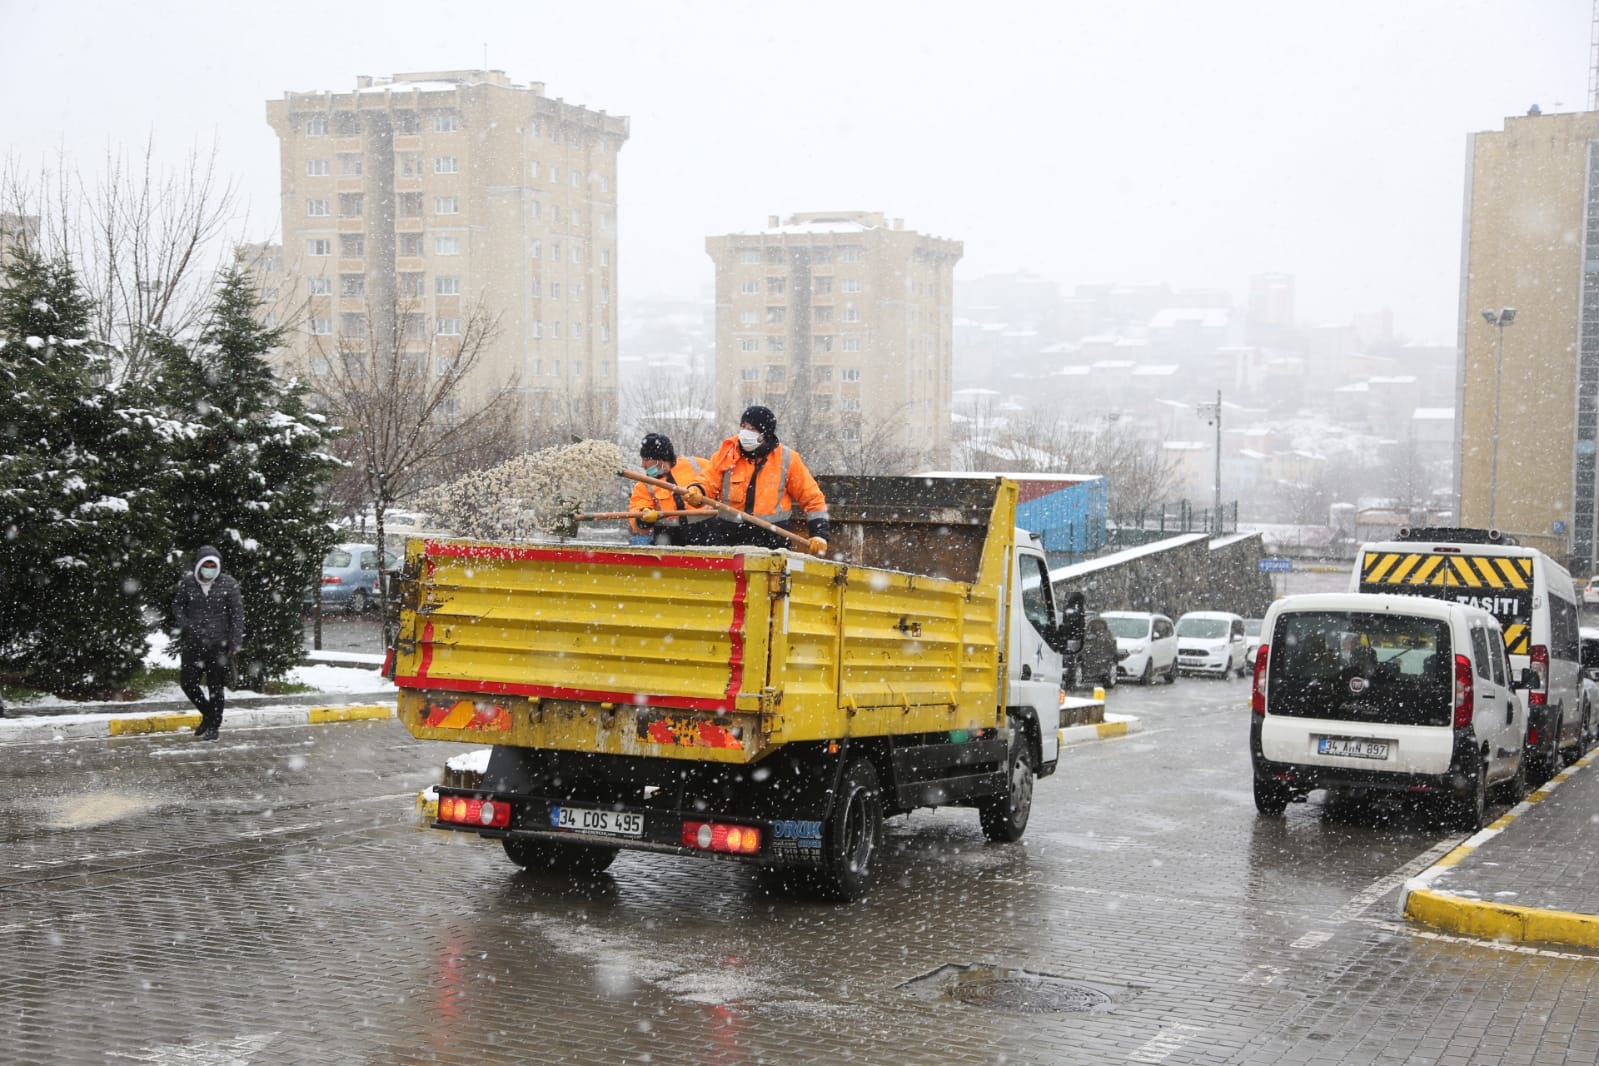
1106	562
1075	370
1114	364
1433	414
1206	317
1162	371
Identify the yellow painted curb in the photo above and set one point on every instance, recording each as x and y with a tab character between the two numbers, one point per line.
350	714
427	808
155	723
1110	729
1502	921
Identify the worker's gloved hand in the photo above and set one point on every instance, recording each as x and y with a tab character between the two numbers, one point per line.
649	517
693	496
818	545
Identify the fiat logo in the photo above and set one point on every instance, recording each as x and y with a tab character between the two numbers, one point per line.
1357	685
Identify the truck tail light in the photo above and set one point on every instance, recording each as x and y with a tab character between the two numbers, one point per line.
716	836
1465	693
1257	692
488	813
1539	696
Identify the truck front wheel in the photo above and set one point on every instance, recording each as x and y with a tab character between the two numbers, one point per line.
1004	818
852	834
556	857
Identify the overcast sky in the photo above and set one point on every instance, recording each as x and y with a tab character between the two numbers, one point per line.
1190	142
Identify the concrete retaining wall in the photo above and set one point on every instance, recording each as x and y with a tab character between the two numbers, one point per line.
1172	577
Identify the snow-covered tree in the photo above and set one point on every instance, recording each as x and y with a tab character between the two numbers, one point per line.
78	510
252	477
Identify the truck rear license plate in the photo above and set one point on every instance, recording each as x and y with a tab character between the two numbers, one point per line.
1352	747
585	820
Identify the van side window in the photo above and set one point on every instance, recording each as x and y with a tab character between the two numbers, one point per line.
1480	652
1496	649
1238	629
1563	629
1037	604
1163	629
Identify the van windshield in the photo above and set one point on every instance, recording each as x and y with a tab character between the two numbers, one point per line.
1128	628
1361	666
1202	628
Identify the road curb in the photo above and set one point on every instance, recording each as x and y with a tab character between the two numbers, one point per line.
1115	725
1486	920
45	730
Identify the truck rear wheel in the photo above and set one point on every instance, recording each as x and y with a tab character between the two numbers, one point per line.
1004	818
851	835
557	857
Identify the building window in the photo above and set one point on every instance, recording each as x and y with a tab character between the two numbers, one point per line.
555	328
352	245
411	284
351	204
316	168
852	314
605	183
851	254
776	372
822	342
407	122
822	286
316	208
352	324
577	217
577	294
577	253
749	316
774	256
821	256
537	248
538	289
821	401
749	344
411	245
851	344
605	333
446	285
776	344
413	327
446	205
449	327
538	329
749	287
577	179
577	334
555	251
316	125
852	284
346	124
849	403
410	164
444	164
319	286
750	373
322	327
351	165
849	373
446	122
605	258
776	315
352	284
533	208
749	256
822	314
823	373
534	172
318	246
447	245
605	222
555	290
555	215
605	295
555	172
410	205
776	286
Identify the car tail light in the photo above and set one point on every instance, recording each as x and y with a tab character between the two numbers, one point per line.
462	810
1539	696
1464	692
332	579
716	836
1257	693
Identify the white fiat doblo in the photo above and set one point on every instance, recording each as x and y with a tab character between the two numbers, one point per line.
1401	694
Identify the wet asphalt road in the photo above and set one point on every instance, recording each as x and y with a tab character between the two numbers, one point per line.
268	899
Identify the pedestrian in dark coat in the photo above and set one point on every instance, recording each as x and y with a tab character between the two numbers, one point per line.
209	613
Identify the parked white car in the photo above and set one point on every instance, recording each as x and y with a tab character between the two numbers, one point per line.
1146	645
1252	639
1212	642
1590	592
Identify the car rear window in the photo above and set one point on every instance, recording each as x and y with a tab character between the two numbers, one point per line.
1359	666
336	559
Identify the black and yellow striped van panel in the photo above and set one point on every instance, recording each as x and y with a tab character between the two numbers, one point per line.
1502	585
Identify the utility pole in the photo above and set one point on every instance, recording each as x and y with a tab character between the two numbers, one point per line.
1212	415
1498	319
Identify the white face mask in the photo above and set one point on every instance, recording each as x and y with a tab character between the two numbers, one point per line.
655	471
749	439
209	571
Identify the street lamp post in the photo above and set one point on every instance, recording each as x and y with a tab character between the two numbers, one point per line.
1499	320
1212	414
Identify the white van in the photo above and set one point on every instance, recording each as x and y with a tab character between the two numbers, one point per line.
1212	642
1385	693
1534	599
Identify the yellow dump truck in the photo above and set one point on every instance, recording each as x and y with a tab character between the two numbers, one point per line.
741	703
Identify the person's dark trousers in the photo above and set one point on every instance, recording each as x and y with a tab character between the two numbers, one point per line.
211	665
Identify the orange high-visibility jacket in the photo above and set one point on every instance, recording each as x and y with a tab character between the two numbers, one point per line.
688	470
783	481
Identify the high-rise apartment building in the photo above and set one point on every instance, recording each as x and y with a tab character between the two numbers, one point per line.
419	205
1529	421
843	324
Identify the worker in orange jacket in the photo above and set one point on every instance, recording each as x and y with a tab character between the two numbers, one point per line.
759	475
660	460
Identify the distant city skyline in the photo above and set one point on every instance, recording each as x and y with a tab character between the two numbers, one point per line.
1196	145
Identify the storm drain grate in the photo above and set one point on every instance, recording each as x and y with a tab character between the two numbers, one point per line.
1015	991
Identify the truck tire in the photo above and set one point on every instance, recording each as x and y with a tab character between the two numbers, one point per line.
852	834
557	857
1004	818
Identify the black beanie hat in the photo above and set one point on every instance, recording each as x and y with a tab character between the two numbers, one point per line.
761	418
657	446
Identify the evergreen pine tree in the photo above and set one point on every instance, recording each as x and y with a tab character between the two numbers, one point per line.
253	477
77	507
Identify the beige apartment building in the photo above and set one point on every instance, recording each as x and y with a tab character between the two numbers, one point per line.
415	205
1532	245
843	324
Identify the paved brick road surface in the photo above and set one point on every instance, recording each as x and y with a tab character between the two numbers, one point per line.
266	899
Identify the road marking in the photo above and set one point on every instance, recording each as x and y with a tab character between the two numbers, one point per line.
1311	940
1363	900
1164	1043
